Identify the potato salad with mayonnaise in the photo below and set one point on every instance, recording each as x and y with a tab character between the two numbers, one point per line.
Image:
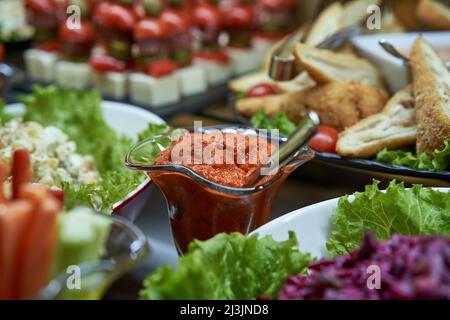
53	156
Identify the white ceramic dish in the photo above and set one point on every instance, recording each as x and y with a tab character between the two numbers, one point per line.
394	70
127	120
311	225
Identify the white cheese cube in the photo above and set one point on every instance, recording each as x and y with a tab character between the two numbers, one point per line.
154	92
40	64
243	60
192	80
111	84
77	75
215	72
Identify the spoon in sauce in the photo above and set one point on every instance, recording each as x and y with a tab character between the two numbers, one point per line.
298	139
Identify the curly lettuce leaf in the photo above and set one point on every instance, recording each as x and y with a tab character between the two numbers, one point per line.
439	161
228	266
280	121
79	115
414	211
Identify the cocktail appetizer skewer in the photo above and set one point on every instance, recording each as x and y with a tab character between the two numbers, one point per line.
156	83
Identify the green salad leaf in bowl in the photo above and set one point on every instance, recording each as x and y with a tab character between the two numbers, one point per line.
228	266
79	115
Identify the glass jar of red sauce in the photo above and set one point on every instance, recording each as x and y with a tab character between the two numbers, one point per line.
203	202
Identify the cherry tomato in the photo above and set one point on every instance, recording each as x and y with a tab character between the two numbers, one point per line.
41	6
207	16
218	57
161	68
261	90
49	46
150	29
111	15
85	33
2	52
325	140
176	20
107	64
239	16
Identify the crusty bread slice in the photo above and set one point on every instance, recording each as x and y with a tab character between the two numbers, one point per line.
431	84
301	82
355	11
292	103
326	66
245	82
433	14
328	22
392	128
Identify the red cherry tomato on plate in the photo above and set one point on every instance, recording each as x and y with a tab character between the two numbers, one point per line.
261	90
161	68
107	64
325	140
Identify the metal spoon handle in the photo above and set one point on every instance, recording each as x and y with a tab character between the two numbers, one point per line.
299	138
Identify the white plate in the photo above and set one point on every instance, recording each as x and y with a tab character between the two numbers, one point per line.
311	225
123	118
127	120
395	73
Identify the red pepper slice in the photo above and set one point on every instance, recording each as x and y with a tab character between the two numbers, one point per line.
161	68
107	64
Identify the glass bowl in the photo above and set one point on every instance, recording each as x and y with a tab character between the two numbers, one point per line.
199	208
126	248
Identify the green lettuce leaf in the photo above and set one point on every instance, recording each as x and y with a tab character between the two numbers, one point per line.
414	211
439	161
228	266
79	115
280	121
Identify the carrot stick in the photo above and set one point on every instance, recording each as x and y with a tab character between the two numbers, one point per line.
21	171
14	221
3	176
36	254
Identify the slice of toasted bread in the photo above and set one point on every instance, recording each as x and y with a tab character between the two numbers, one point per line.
433	14
290	102
392	128
327	23
355	11
431	84
326	66
244	83
301	82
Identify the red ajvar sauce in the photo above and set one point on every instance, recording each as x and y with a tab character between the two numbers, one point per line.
224	158
197	211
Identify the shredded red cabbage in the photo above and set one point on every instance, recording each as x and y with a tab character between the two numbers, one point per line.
409	268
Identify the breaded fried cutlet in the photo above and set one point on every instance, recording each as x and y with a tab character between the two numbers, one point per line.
431	84
341	104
